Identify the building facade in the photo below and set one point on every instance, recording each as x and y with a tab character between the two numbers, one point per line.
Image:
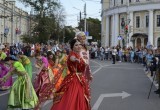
133	23
14	22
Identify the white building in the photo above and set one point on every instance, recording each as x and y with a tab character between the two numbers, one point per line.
141	16
14	22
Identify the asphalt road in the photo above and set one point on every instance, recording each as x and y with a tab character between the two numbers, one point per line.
123	86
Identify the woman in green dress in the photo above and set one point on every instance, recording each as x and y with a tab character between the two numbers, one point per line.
26	63
22	94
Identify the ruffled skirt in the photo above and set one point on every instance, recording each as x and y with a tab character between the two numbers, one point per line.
73	95
22	94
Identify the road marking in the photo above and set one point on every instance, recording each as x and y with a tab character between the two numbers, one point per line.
94	66
102	96
124	68
4	93
96	62
47	102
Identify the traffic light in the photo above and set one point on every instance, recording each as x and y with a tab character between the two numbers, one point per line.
126	29
122	24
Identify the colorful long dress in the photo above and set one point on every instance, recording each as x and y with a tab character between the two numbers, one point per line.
61	71
74	92
22	94
43	83
3	71
84	53
27	65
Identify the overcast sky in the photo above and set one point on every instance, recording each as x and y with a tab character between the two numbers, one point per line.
73	7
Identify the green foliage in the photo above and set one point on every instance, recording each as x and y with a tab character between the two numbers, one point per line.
93	27
69	33
28	39
47	22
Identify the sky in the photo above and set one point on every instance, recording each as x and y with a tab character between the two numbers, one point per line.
73	8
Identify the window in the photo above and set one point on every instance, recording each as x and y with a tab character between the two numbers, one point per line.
121	1
129	1
137	0
158	20
137	21
147	21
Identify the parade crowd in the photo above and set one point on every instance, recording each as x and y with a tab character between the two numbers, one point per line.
63	75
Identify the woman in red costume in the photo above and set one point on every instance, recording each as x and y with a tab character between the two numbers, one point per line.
74	91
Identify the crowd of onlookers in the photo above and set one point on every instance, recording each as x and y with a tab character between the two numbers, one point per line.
148	57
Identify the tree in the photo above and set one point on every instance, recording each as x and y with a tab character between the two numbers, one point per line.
49	19
41	6
68	33
93	27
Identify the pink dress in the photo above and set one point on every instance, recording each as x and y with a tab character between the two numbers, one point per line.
42	84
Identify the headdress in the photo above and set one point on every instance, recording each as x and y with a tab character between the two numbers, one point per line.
80	34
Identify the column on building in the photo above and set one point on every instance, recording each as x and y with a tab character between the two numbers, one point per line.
116	27
107	31
142	42
150	35
113	30
102	31
130	28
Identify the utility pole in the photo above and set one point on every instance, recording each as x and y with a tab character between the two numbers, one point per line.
12	34
128	21
85	17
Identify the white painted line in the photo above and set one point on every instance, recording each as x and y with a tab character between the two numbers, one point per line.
96	70
96	62
4	93
123	68
47	102
94	66
102	96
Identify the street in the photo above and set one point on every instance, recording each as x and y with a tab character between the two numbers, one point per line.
122	86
